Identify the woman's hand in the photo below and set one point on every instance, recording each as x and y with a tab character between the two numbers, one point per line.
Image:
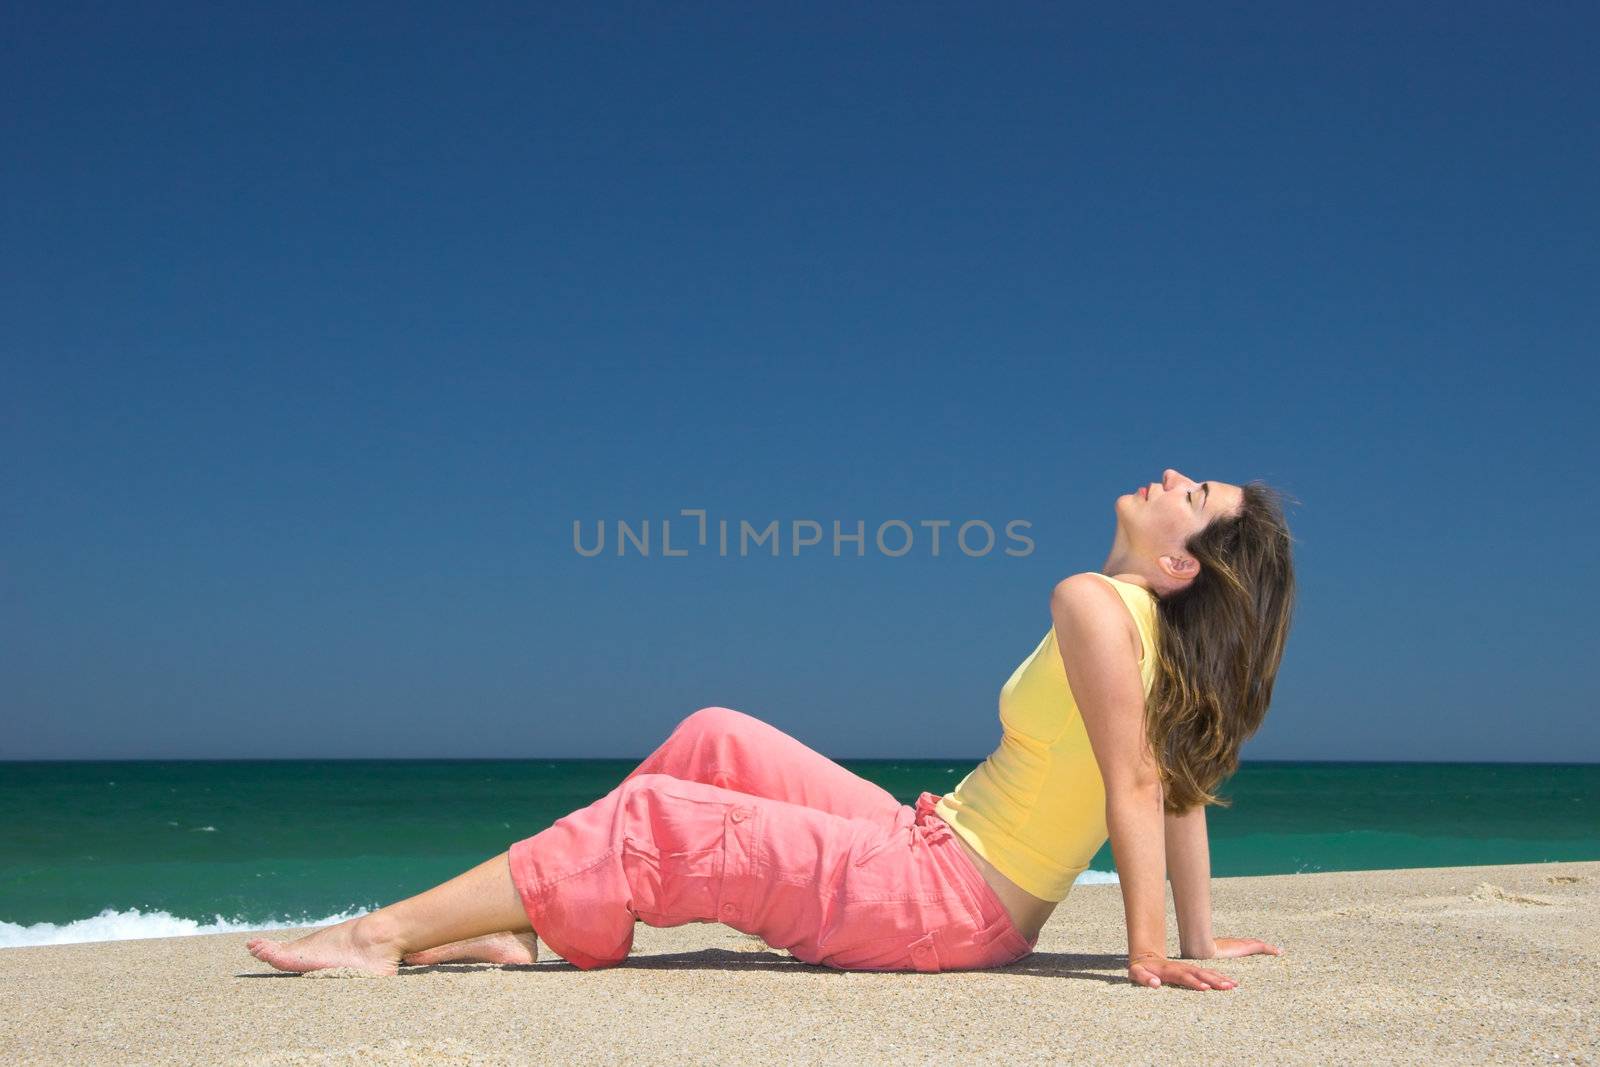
1228	948
1232	947
1152	970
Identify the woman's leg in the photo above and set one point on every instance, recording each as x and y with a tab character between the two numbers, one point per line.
480	902
721	747
716	746
834	890
666	851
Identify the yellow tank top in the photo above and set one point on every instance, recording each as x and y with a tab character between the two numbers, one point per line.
1036	808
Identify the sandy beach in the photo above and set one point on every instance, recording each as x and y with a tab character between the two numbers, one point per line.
1464	964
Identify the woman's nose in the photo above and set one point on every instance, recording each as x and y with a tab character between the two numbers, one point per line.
1171	478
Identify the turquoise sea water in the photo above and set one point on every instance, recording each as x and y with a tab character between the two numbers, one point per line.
101	851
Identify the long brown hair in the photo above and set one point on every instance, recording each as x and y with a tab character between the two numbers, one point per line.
1219	644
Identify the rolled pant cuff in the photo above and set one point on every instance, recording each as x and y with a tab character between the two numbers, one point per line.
544	911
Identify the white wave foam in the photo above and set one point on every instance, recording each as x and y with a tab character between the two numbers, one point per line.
130	925
1097	878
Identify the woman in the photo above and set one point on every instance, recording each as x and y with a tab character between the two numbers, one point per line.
1116	725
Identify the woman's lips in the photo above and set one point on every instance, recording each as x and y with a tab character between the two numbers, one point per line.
1144	492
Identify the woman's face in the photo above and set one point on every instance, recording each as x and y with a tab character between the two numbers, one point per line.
1160	517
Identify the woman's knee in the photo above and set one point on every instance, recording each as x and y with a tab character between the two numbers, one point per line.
715	720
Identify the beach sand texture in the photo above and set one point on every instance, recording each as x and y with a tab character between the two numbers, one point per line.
1453	964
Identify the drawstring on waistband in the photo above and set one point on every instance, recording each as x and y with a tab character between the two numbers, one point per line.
934	828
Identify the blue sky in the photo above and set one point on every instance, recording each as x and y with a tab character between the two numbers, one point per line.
321	326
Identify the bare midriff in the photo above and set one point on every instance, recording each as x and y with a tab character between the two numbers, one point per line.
1027	911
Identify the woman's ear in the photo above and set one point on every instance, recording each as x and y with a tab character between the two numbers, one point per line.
1182	568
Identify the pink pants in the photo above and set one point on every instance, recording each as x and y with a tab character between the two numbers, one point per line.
732	820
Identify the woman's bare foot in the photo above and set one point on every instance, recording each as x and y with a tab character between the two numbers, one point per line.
504	947
363	943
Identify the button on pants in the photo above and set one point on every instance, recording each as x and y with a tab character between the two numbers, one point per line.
732	820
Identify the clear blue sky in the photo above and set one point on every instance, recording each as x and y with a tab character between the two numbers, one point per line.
321	326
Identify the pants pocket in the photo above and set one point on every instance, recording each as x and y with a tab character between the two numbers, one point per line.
893	869
900	952
670	889
877	934
899	834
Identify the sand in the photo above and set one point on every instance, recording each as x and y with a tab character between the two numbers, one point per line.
1459	964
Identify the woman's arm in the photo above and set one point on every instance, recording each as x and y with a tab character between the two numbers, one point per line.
1189	869
1091	624
1099	652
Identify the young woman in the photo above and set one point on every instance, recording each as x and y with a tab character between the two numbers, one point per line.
1118	724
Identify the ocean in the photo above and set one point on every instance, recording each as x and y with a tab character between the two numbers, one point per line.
96	851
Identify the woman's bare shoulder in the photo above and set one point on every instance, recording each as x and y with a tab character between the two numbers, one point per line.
1103	587
1093	596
